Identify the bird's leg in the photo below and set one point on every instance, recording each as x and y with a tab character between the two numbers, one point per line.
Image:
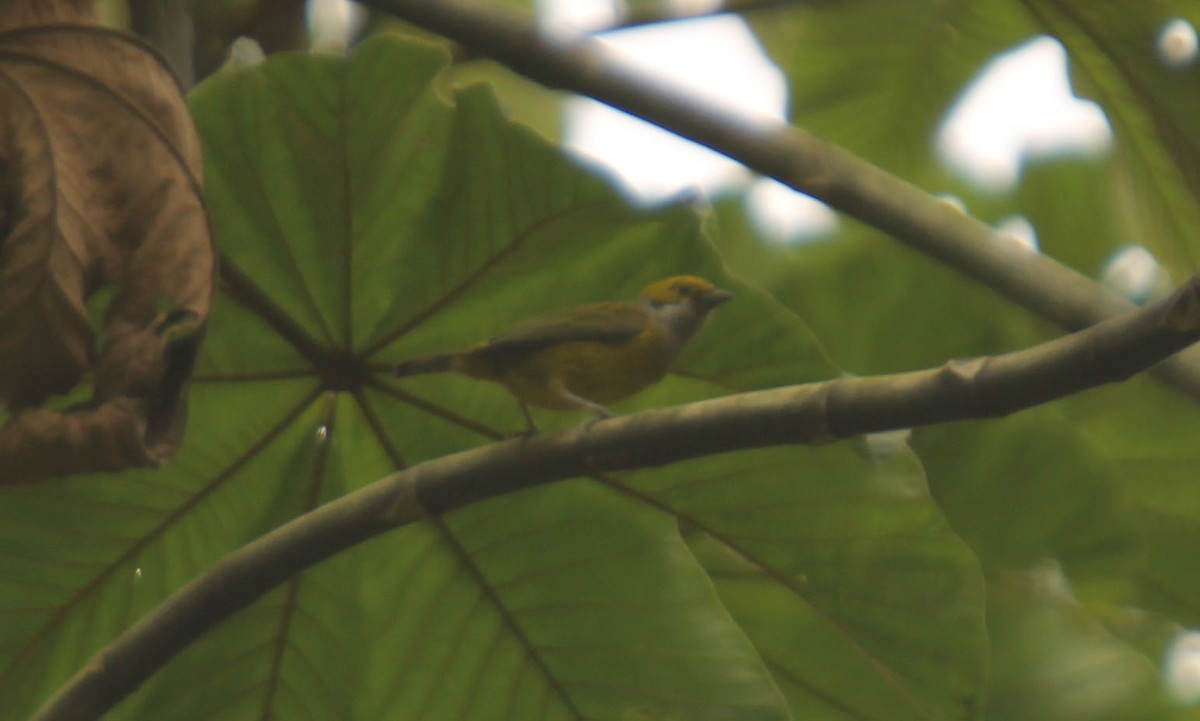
530	427
560	389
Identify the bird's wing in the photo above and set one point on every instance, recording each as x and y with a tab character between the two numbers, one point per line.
601	322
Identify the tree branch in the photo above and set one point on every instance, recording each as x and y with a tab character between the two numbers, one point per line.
812	413
167	25
641	15
793	157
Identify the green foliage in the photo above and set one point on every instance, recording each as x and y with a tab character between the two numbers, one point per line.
876	76
1152	107
582	597
377	208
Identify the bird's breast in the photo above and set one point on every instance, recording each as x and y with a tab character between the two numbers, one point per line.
603	372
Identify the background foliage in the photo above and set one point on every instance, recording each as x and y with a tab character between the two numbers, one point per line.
375	208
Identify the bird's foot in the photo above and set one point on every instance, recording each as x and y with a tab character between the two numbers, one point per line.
602	413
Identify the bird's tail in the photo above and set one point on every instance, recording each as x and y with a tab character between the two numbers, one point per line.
429	364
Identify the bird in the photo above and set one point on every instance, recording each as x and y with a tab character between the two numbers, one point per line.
587	357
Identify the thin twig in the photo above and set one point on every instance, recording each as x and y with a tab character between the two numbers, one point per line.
813	413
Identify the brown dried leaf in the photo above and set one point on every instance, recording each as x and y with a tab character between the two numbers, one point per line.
100	171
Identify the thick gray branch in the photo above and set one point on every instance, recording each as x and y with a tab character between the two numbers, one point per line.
793	157
812	413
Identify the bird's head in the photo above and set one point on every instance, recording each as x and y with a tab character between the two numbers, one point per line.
683	302
685	288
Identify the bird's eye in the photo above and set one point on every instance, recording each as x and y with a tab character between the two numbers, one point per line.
683	290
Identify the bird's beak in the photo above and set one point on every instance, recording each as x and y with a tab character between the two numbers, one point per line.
716	297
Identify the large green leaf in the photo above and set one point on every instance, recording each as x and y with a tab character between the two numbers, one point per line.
1152	106
1070	202
1101	486
84	558
368	216
1029	489
1052	662
843	575
1146	435
877	76
876	307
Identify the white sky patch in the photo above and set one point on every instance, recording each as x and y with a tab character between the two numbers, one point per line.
1020	106
694	7
657	165
332	24
570	18
1133	272
243	53
1181	672
1178	45
577	17
781	214
953	201
1018	228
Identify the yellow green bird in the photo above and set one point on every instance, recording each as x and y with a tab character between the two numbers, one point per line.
590	356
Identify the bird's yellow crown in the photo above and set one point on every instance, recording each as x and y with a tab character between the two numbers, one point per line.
676	288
